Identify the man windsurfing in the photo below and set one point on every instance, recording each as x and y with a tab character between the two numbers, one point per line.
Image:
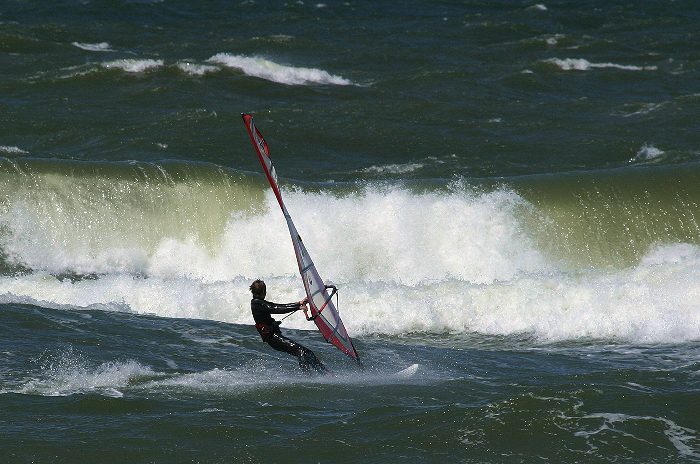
323	311
269	328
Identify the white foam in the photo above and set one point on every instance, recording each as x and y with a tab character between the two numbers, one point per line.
133	65
434	262
684	439
254	376
71	374
224	381
554	39
676	253
580	64
647	153
93	47
394	168
195	69
269	70
406	168
646	109
538	7
10	150
113	236
650	303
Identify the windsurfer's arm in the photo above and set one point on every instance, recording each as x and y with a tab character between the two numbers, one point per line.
277	308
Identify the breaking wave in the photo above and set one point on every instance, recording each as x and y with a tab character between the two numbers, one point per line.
12	150
70	373
94	47
455	259
580	64
269	70
133	65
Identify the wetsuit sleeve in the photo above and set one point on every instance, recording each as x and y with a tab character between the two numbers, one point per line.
277	308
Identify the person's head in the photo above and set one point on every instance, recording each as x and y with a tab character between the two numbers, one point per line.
258	289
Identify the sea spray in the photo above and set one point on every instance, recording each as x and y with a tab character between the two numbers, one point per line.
70	372
448	260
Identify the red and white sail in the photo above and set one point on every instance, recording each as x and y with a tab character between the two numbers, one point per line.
323	311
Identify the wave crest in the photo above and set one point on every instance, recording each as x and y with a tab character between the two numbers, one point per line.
269	70
133	65
580	64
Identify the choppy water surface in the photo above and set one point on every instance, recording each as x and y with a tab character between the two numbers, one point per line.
506	193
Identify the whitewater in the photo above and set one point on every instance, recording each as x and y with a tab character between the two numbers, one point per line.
452	260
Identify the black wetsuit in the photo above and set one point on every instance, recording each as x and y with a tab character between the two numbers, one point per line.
269	330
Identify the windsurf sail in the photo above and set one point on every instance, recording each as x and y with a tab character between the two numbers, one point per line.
323	311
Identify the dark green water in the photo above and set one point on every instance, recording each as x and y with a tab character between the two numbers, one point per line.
505	192
83	386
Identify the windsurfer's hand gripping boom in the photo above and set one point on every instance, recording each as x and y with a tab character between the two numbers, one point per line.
303	305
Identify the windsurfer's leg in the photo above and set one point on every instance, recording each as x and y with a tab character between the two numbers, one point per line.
282	343
311	360
306	357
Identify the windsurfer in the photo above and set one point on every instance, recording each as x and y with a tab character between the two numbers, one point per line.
269	328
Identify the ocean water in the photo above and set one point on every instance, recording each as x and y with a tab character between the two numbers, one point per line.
506	193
